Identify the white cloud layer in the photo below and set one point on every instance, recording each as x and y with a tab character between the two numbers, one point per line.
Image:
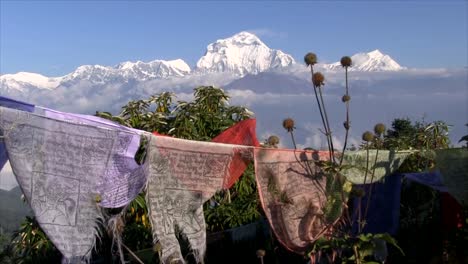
432	94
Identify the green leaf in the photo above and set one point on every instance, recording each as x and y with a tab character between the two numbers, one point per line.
389	239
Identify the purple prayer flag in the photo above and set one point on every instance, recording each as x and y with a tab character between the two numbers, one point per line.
124	178
67	170
10	103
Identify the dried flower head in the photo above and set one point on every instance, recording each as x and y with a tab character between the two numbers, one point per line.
346	125
260	253
318	79
288	124
346	61
367	136
345	98
273	140
379	129
310	59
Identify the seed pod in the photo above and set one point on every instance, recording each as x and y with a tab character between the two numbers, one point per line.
260	253
346	125
379	129
273	140
288	124
346	61
367	136
318	79
345	98
310	59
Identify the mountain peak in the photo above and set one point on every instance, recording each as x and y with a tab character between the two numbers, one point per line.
375	53
371	61
241	54
245	38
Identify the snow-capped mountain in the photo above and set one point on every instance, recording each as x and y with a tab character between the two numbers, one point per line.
371	61
241	54
155	69
97	74
231	58
93	73
141	71
22	80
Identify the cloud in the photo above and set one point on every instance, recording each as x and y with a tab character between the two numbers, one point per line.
437	94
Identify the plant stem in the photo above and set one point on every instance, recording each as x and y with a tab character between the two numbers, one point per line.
327	127
228	196
320	109
356	255
293	140
133	254
364	183
367	162
371	181
347	118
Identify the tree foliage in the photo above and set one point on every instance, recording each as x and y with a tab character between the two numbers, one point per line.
201	119
418	135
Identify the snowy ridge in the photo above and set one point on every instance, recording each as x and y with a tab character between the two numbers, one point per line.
370	62
141	71
234	57
20	79
97	74
154	69
241	54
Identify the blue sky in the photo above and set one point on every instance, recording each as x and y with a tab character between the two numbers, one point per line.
55	37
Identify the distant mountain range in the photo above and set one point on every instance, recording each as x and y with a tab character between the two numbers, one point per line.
237	56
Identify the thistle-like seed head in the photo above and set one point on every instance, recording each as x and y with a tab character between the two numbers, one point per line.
310	59
368	136
346	125
318	79
345	98
288	124
379	129
273	140
346	61
260	253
